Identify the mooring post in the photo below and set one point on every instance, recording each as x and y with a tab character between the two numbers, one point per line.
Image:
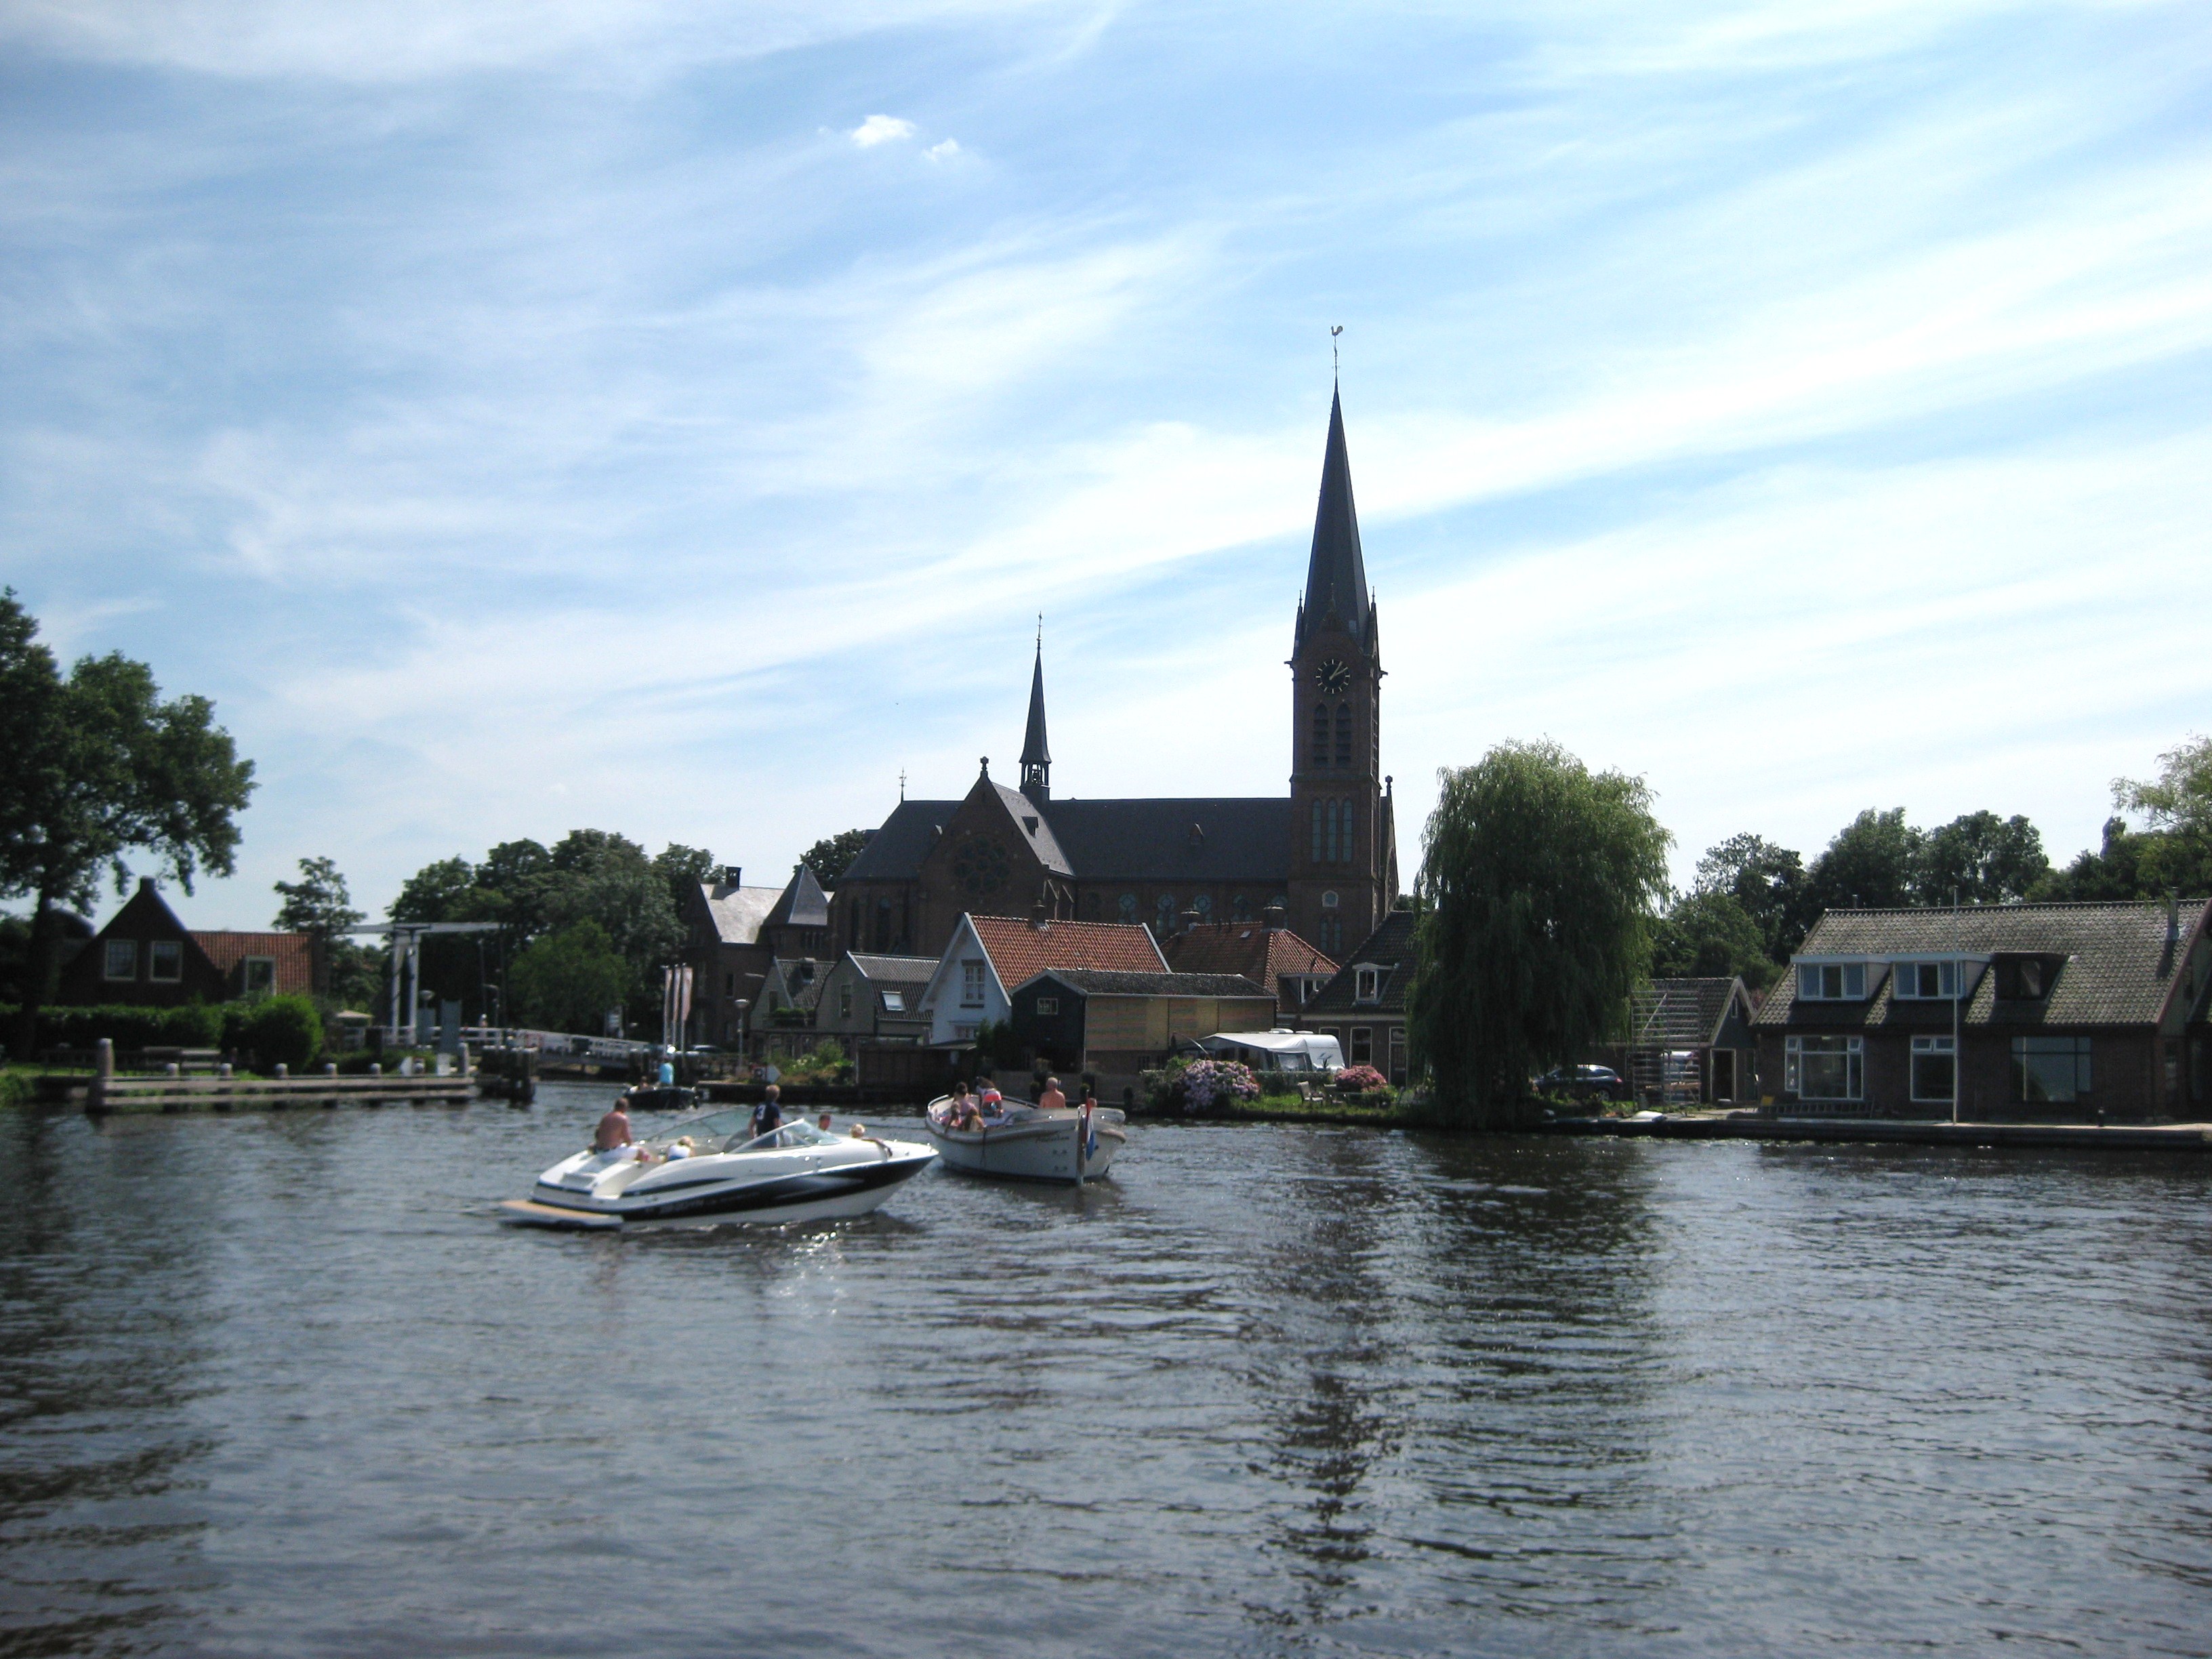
103	1073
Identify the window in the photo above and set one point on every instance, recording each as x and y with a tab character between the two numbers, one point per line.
1332	935
1344	734
1163	914
121	959
1362	1052
1366	982
1240	908
730	980
1329	900
971	984
165	960
2052	1069
894	1002
1320	734
1126	906
1047	1005
1926	982
1935	1068
1318	807
1832	982
1824	1067
1204	905
259	975
845	1000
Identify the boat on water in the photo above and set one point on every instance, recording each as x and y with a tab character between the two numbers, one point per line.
1023	1142
711	1169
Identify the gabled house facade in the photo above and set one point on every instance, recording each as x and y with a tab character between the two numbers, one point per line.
2050	1011
988	956
1691	1041
1363	1005
734	938
872	998
146	956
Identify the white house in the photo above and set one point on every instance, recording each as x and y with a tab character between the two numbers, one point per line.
988	956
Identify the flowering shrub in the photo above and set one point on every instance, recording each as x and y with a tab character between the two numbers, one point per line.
1360	1080
1208	1083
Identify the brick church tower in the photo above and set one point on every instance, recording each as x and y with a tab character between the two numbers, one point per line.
1343	874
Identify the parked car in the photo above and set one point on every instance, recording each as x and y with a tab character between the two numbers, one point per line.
1583	1083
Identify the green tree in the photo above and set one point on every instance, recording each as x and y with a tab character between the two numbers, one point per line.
1872	864
607	878
1984	859
1767	881
570	978
1708	935
684	868
833	856
1540	880
282	1031
318	904
94	765
2176	849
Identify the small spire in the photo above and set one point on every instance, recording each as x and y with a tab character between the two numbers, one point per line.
1036	754
1336	574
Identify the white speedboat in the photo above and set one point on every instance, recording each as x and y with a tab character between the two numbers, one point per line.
712	1168
1024	1142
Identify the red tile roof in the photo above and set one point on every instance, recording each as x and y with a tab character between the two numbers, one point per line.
295	955
1020	949
1262	954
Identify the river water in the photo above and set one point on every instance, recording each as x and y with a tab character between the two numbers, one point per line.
277	1385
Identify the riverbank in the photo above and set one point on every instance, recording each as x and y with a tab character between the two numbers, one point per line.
2193	1139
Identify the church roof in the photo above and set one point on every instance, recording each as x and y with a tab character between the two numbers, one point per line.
1166	838
1141	840
896	851
737	913
1336	574
1034	750
1030	818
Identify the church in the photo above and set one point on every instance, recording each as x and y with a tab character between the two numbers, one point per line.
1325	855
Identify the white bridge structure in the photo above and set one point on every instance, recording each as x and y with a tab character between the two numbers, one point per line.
559	1045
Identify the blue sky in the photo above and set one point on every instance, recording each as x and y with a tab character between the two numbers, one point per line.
672	418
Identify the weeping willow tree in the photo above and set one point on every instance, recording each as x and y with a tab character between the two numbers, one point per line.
1540	884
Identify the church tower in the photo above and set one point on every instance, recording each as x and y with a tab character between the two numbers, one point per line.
1037	755
1343	844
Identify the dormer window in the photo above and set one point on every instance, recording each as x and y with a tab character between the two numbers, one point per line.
1832	982
894	1002
1366	983
2026	978
1927	981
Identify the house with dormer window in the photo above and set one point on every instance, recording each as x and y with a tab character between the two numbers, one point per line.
1363	1005
2051	1012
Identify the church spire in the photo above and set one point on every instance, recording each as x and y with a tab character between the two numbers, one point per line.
1036	758
1336	575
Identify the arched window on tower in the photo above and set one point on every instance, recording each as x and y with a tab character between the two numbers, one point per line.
1320	734
1375	736
1344	734
1319	809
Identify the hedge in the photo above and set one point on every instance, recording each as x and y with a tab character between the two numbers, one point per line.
285	1028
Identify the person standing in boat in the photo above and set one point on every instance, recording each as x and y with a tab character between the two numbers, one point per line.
1052	1099
768	1116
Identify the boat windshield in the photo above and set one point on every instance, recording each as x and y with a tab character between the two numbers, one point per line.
732	1132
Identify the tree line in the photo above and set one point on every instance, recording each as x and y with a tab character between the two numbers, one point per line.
1543	900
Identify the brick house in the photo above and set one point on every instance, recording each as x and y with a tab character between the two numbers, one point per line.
2062	1011
1266	952
735	936
1363	1005
1691	1043
146	956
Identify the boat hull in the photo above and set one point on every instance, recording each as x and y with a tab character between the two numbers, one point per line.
721	1191
1047	1148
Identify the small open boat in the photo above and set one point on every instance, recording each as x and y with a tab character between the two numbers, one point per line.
1025	1142
712	1168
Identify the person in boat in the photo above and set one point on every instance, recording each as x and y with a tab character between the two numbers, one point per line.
991	1102
668	1068
768	1114
613	1133
1051	1099
824	1125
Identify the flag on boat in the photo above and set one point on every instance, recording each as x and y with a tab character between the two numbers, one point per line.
1090	1132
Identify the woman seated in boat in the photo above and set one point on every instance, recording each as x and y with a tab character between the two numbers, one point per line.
960	1111
991	1104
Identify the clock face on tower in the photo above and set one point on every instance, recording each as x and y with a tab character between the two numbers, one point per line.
1334	677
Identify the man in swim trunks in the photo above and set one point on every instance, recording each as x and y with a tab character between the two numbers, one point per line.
1052	1100
613	1133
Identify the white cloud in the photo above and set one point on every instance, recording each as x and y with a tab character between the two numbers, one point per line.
944	151
880	129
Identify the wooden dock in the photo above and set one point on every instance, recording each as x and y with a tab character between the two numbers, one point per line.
2193	1139
220	1094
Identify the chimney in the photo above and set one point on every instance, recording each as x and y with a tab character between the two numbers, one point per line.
1189	919
1275	917
147	884
731	872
